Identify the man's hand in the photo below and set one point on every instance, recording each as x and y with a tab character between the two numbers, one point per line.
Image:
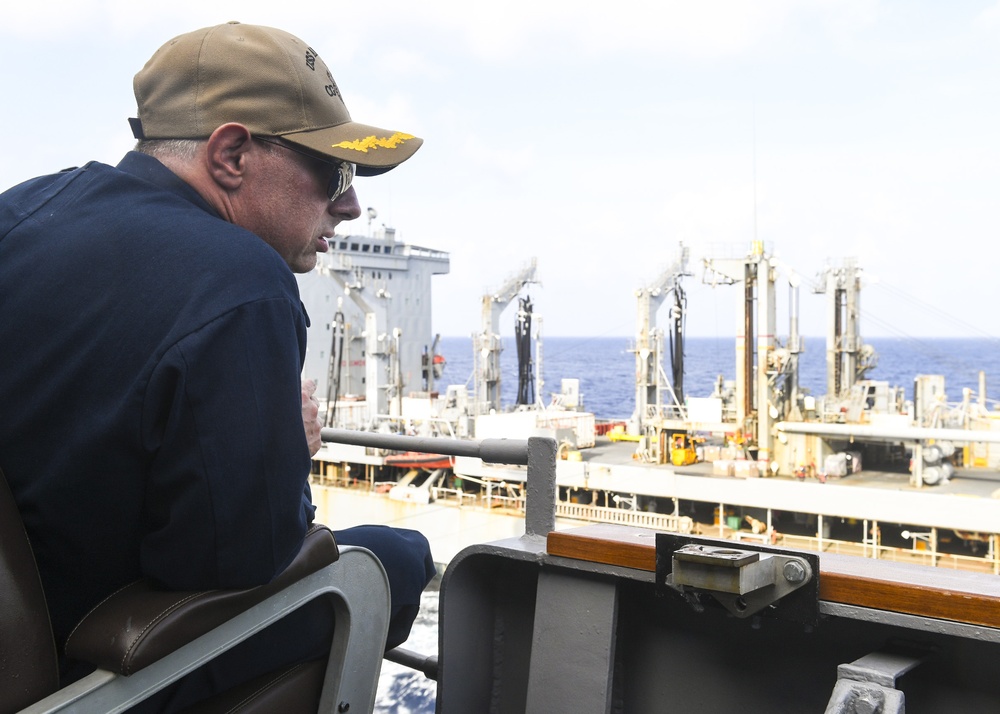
310	416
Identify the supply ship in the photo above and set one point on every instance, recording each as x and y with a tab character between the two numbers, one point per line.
866	469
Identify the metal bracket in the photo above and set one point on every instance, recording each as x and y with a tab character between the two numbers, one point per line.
868	685
744	580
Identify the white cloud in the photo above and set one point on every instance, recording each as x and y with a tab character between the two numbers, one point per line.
718	214
989	19
405	63
513	31
48	19
508	162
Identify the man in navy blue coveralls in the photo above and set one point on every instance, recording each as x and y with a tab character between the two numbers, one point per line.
154	423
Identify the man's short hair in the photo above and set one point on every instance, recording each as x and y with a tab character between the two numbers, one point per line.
184	149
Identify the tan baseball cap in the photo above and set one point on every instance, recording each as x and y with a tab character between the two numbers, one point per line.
266	79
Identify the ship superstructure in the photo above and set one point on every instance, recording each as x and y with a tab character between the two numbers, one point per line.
370	341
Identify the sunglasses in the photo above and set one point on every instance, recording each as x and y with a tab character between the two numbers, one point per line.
343	171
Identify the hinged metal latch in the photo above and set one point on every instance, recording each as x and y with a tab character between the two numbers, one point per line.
744	579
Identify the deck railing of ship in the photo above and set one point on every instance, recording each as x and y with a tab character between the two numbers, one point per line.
537	453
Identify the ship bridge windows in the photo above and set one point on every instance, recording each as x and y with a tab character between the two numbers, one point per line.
365	248
376	249
354	247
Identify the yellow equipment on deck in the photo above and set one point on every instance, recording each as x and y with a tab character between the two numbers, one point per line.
682	450
618	433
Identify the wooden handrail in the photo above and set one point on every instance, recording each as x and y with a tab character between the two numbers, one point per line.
956	596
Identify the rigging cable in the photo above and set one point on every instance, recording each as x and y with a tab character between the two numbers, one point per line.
933	309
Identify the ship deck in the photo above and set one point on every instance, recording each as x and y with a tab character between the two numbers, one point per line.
970	501
974	483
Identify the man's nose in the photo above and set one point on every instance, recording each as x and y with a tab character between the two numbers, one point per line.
346	207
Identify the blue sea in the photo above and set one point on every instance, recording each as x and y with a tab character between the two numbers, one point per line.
606	370
606	367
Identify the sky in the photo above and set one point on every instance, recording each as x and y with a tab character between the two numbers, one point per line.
598	137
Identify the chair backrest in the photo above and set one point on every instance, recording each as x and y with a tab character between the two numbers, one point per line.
29	666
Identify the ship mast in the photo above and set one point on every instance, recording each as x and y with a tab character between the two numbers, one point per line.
847	357
760	364
486	355
649	381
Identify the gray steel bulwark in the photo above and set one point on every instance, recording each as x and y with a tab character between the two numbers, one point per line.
522	632
573	644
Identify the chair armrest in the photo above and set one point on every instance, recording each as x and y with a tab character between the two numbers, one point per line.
139	624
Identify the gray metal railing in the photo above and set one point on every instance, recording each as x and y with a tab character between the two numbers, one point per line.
537	453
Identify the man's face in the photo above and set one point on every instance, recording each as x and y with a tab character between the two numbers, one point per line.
287	205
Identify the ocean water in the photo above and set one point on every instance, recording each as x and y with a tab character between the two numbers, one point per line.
606	369
405	691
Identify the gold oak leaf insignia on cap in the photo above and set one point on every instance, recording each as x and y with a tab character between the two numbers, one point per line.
374	142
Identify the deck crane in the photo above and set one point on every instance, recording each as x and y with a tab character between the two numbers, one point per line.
783	369
766	373
486	355
649	379
847	357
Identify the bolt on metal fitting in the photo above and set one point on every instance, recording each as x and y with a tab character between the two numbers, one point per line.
868	703
794	572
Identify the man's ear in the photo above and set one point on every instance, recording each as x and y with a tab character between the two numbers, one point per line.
226	155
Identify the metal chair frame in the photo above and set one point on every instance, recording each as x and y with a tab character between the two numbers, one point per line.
359	588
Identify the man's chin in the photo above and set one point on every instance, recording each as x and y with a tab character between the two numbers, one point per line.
305	264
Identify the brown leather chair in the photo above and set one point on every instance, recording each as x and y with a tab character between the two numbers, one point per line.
141	639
